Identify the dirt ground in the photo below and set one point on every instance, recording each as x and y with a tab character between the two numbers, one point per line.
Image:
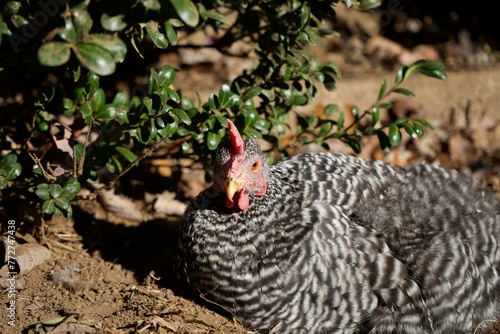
107	274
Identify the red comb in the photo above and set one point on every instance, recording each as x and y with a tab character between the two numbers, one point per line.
235	139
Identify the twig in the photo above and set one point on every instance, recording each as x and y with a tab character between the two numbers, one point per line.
366	112
125	170
38	162
78	170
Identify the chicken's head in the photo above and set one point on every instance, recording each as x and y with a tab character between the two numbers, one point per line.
240	169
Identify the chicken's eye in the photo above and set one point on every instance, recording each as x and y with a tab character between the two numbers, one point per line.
255	165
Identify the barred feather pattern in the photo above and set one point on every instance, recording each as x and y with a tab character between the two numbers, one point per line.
343	245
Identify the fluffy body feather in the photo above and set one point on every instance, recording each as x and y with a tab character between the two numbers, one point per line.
338	244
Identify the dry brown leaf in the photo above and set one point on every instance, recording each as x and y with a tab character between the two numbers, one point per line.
158	321
74	326
61	139
119	205
381	47
428	52
167	204
463	150
28	257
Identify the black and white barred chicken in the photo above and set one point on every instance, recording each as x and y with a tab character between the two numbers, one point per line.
329	243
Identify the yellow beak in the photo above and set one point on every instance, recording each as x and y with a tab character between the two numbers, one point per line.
233	186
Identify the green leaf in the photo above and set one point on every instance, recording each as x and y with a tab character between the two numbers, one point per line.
160	123
76	73
170	128
250	116
13	171
409	130
158	38
394	135
106	112
182	115
117	163
62	203
97	100
403	91
187	11
152	128
82	21
186	147
53	53
270	94
418	130
251	92
42	191
385	144
68	106
148	105
325	129
113	23
401	120
121	103
48	207
422	122
213	140
78	152
68	33
91	83
166	76
69	212
355	111
12	7
95	58
329	83
340	120
71	189
55	190
298	99
354	144
8	160
400	75
227	98
358	133
111	43
433	73
369	4
429	65
4	29
319	76
332	68
19	21
110	167
214	15
382	90
57	212
170	32
151	4
330	110
375	114
127	154
56	321
305	15
3	182
384	105
87	113
261	124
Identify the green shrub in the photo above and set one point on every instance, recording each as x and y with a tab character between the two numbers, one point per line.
65	58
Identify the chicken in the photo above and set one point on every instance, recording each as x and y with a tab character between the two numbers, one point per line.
331	243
